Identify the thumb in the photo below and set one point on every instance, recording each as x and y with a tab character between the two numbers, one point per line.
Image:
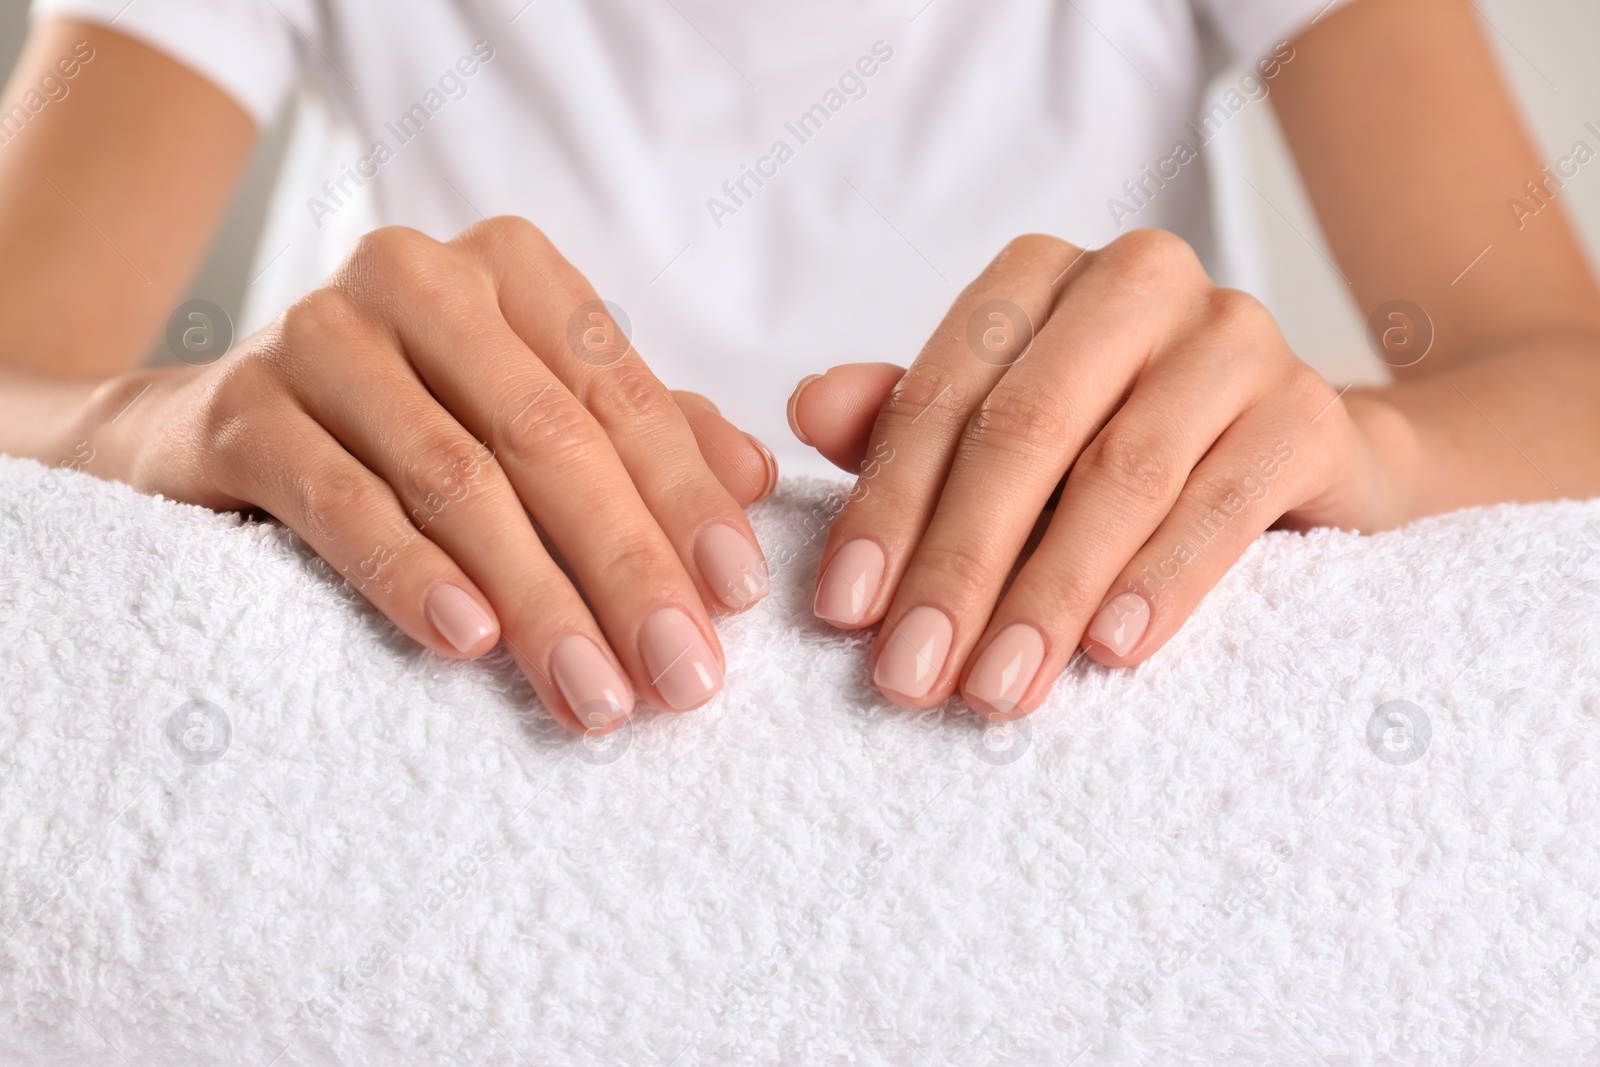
835	412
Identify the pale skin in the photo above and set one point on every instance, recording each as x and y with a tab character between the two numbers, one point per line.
1154	403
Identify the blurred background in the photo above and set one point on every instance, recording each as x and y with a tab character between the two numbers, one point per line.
1546	48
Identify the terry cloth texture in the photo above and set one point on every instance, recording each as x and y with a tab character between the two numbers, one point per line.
1348	815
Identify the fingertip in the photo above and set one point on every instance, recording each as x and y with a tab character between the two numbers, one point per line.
468	628
850	584
685	668
733	567
835	412
771	462
1103	655
912	658
599	699
1117	629
743	465
995	712
793	409
999	680
600	725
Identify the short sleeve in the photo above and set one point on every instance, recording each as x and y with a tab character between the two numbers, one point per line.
1252	28
247	48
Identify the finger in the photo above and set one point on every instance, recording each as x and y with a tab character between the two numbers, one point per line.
280	460
454	493
834	412
1123	482
1256	473
560	463
1073	583
919	426
554	311
742	462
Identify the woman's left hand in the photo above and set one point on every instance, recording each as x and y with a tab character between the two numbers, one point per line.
1179	418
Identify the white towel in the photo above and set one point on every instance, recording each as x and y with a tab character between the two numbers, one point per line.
246	821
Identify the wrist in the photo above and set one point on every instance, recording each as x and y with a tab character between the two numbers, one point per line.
118	418
1396	456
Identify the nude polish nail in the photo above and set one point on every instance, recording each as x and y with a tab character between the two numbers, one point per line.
850	584
681	664
593	689
457	617
733	567
1006	669
914	653
1121	623
794	404
771	463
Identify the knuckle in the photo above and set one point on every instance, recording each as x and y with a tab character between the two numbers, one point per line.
641	566
331	503
388	244
1036	248
546	603
1241	317
510	233
397	253
628	391
548	428
317	319
1154	257
1025	420
926	388
444	470
516	229
1216	490
1136	465
1073	592
968	558
1307	391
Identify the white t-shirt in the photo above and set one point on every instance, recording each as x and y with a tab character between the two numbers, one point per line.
766	189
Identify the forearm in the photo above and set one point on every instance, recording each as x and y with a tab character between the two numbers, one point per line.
1518	424
105	207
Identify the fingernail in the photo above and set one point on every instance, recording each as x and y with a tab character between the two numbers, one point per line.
772	467
457	617
1006	668
681	665
732	566
914	653
794	403
1121	623
850	583
593	689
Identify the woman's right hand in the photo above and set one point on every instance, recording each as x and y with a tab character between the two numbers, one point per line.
411	417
